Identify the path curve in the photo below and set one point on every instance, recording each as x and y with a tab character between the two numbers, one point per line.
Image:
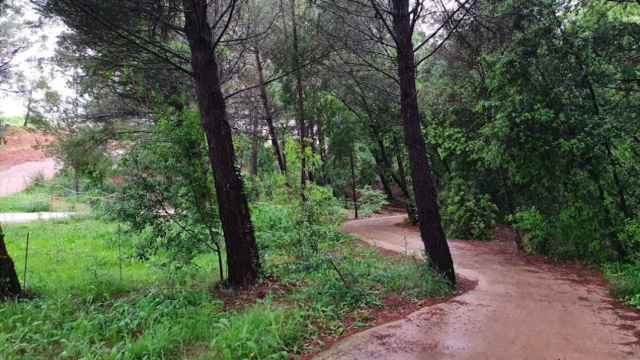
19	177
522	308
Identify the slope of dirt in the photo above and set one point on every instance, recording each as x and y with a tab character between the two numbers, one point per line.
22	146
22	159
522	308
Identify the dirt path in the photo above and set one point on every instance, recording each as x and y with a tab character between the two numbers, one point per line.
522	308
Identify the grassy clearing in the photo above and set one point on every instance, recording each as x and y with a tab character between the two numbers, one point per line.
82	309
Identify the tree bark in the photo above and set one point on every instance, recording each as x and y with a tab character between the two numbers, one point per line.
27	116
354	191
243	262
382	174
299	100
268	116
431	230
255	144
401	179
9	283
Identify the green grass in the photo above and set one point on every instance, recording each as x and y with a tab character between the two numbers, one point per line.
44	195
15	121
25	202
82	309
75	257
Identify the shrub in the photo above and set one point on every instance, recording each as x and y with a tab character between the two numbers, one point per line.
625	281
574	234
536	230
370	201
466	214
630	238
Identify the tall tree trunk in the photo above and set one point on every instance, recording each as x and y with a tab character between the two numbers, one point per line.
382	174
431	230
322	149
255	144
354	190
299	100
401	179
9	284
243	262
27	116
268	116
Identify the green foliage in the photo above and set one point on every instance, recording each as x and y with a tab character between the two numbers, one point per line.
467	215
625	281
74	257
630	238
243	335
13	121
303	245
84	154
370	201
46	195
25	202
166	192
573	235
536	230
82	309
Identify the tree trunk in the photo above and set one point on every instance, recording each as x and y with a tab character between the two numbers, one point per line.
431	230
268	116
354	191
243	262
9	284
27	116
255	144
299	100
382	174
401	179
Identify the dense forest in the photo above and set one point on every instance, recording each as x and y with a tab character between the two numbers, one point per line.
237	135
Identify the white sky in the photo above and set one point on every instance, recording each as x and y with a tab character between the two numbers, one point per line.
43	43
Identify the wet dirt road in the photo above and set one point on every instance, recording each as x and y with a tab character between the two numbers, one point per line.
521	308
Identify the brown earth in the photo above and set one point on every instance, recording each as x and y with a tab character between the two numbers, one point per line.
22	146
22	158
521	308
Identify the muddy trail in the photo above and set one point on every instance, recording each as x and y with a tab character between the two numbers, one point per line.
521	308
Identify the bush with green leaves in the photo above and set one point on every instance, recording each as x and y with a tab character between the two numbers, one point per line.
370	201
466	214
625	281
166	191
84	154
630	238
574	234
